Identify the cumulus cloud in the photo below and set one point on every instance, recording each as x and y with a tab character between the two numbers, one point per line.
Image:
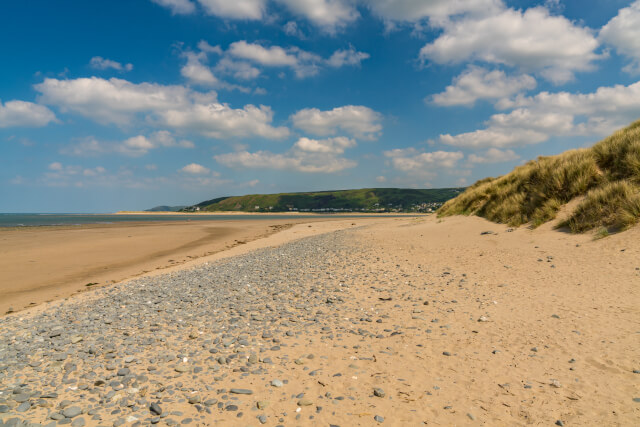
344	57
329	15
60	175
134	146
479	83
196	71
178	7
356	120
303	63
536	119
331	145
235	9
24	114
221	121
413	161
623	33
306	155
240	70
493	155
114	100
195	169
533	41
434	10
100	63
120	102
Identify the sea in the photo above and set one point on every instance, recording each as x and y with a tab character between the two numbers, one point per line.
70	219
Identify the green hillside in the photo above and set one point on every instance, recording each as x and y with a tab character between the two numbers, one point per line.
369	200
605	178
164	208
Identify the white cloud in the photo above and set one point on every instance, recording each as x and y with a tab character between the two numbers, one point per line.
119	101
235	9
435	10
295	161
532	40
271	56
331	145
416	162
241	70
346	57
113	100
357	120
306	155
101	63
381	179
623	32
221	121
291	29
134	146
24	114
545	115
204	46
329	15
195	70
479	83
60	175
303	63
493	155
195	169
178	7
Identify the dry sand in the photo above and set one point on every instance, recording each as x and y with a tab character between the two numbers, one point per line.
39	264
510	328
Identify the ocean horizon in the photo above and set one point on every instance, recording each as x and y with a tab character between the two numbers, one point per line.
70	219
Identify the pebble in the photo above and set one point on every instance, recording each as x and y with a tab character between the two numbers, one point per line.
71	411
155	408
378	418
277	383
304	402
240	391
378	392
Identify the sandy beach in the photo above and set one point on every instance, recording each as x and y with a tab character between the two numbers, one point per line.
39	264
387	321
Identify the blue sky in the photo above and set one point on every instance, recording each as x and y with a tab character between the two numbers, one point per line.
109	105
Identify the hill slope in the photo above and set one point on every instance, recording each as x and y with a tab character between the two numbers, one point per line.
606	176
164	208
368	199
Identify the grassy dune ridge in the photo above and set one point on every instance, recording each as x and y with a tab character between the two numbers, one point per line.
606	177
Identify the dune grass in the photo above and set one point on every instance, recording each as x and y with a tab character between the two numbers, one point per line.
607	175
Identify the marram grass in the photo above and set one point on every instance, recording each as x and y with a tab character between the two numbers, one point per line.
606	175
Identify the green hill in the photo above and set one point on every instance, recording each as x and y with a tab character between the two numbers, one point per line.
368	199
606	178
166	209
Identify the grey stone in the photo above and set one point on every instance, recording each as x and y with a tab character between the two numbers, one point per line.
72	411
155	408
23	407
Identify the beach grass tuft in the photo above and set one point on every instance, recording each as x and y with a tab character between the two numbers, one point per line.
607	175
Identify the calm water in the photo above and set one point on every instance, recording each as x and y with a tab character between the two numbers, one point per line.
31	220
